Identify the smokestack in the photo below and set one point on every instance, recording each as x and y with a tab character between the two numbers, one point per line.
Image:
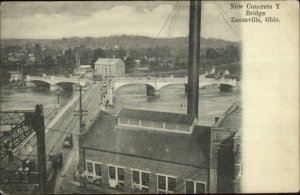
194	58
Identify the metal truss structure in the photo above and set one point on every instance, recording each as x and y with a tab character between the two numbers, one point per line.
20	128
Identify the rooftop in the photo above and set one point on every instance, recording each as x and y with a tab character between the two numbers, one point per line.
167	117
184	149
231	119
85	66
107	60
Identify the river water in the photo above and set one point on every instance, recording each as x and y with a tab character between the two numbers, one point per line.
27	98
171	98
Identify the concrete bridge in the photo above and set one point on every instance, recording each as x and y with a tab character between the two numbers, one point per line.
55	82
155	84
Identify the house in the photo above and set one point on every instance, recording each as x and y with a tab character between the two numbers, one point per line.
141	151
110	67
86	70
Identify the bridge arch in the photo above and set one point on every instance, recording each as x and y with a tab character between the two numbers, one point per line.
120	85
66	85
168	84
40	83
150	89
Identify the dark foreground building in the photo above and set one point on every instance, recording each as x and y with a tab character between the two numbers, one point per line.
153	152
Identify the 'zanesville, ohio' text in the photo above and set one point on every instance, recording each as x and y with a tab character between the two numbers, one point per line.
253	13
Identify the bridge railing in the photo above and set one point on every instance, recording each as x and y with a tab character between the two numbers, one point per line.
165	79
56	111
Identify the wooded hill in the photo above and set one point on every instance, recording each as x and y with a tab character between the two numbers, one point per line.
125	41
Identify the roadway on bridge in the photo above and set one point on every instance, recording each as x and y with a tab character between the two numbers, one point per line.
68	124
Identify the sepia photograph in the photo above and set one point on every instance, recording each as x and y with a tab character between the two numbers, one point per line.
149	97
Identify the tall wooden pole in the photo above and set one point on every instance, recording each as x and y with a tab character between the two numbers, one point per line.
194	58
39	127
80	108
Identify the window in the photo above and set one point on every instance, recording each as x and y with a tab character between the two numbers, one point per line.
116	176
98	169
112	172
171	126
192	187
166	184
134	122
89	167
158	125
123	120
140	181
93	170
184	128
146	123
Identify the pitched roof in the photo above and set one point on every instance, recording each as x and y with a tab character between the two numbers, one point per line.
108	60
167	117
231	119
184	149
85	66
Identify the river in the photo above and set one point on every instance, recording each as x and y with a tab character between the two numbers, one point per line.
171	98
27	98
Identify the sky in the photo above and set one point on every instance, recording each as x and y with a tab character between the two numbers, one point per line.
55	20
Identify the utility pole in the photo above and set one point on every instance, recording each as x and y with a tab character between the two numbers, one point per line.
81	112
39	128
194	58
58	92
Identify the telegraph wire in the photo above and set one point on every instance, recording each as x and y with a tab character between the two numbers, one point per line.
169	17
236	28
52	129
174	20
231	27
168	31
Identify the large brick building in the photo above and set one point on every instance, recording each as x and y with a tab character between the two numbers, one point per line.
110	67
152	152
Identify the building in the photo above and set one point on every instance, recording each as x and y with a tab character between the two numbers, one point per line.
137	151
238	170
142	151
15	76
225	151
110	67
85	70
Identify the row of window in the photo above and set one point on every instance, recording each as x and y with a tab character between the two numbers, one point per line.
160	125
107	69
140	180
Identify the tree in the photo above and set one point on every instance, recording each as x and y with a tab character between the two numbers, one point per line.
4	77
48	61
121	53
98	53
154	66
211	54
232	54
129	64
70	58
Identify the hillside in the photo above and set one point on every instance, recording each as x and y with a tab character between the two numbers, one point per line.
125	41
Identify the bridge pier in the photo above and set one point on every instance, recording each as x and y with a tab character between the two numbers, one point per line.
186	88
53	88
225	87
150	90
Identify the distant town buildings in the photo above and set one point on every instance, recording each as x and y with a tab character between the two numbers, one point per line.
85	70
110	67
142	151
15	76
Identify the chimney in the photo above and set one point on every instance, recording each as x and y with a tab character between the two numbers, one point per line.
194	58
